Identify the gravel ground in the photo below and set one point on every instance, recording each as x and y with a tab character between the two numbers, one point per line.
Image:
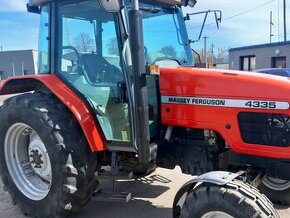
152	197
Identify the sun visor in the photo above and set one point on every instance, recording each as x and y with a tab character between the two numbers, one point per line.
190	3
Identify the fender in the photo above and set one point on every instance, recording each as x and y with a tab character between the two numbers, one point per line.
65	95
215	177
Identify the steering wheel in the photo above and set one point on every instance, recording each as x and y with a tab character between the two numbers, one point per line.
78	60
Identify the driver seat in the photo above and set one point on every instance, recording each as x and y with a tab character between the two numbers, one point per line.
99	69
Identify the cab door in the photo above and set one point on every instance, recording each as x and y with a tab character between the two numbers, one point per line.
89	60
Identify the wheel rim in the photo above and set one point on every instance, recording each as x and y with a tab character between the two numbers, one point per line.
276	184
216	214
27	161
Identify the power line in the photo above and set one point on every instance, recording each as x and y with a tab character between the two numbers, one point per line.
239	14
244	12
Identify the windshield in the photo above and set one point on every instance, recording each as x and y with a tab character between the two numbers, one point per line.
165	37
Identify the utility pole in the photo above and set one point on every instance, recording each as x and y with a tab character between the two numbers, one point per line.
205	52
212	53
284	15
271	26
278	13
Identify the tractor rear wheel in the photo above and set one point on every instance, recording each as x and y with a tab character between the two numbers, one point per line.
45	161
233	200
277	190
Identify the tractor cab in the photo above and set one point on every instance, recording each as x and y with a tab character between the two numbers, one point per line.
90	48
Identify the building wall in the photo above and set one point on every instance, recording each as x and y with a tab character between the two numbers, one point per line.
224	66
263	54
16	63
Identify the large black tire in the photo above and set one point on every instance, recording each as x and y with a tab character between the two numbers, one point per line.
277	192
236	199
72	163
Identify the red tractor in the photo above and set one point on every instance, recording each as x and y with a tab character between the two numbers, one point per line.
116	86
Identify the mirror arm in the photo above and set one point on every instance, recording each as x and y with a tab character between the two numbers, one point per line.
200	12
197	54
218	19
187	17
203	24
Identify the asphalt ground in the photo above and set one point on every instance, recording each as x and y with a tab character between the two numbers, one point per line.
152	196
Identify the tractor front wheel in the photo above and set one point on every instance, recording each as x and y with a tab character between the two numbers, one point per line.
45	161
233	200
277	190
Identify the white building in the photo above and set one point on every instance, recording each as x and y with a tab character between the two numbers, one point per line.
249	58
17	63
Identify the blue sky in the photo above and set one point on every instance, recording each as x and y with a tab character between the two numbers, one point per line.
19	29
244	22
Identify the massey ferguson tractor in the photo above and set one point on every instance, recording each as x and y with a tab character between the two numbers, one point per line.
116	87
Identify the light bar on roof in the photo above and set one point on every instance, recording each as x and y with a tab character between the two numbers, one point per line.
37	2
190	3
170	2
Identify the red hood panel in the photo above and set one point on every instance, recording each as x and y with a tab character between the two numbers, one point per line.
225	83
212	99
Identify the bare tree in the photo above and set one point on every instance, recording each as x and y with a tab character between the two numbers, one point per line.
220	55
112	46
169	51
84	43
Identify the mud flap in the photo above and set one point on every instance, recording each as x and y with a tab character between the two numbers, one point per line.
215	177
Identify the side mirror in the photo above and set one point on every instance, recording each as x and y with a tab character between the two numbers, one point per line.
33	9
218	18
111	6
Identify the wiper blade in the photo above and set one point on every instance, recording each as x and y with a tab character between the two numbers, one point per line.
150	10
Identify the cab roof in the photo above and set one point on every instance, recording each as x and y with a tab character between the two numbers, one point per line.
170	2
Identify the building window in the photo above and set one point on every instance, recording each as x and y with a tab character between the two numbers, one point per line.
278	62
1	74
248	63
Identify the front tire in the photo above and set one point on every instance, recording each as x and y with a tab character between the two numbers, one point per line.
278	191
233	200
45	162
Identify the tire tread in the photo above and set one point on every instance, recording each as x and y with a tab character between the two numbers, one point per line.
77	162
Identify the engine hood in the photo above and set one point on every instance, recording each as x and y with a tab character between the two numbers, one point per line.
186	81
229	103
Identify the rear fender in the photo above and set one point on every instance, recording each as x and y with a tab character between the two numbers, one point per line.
51	83
215	177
